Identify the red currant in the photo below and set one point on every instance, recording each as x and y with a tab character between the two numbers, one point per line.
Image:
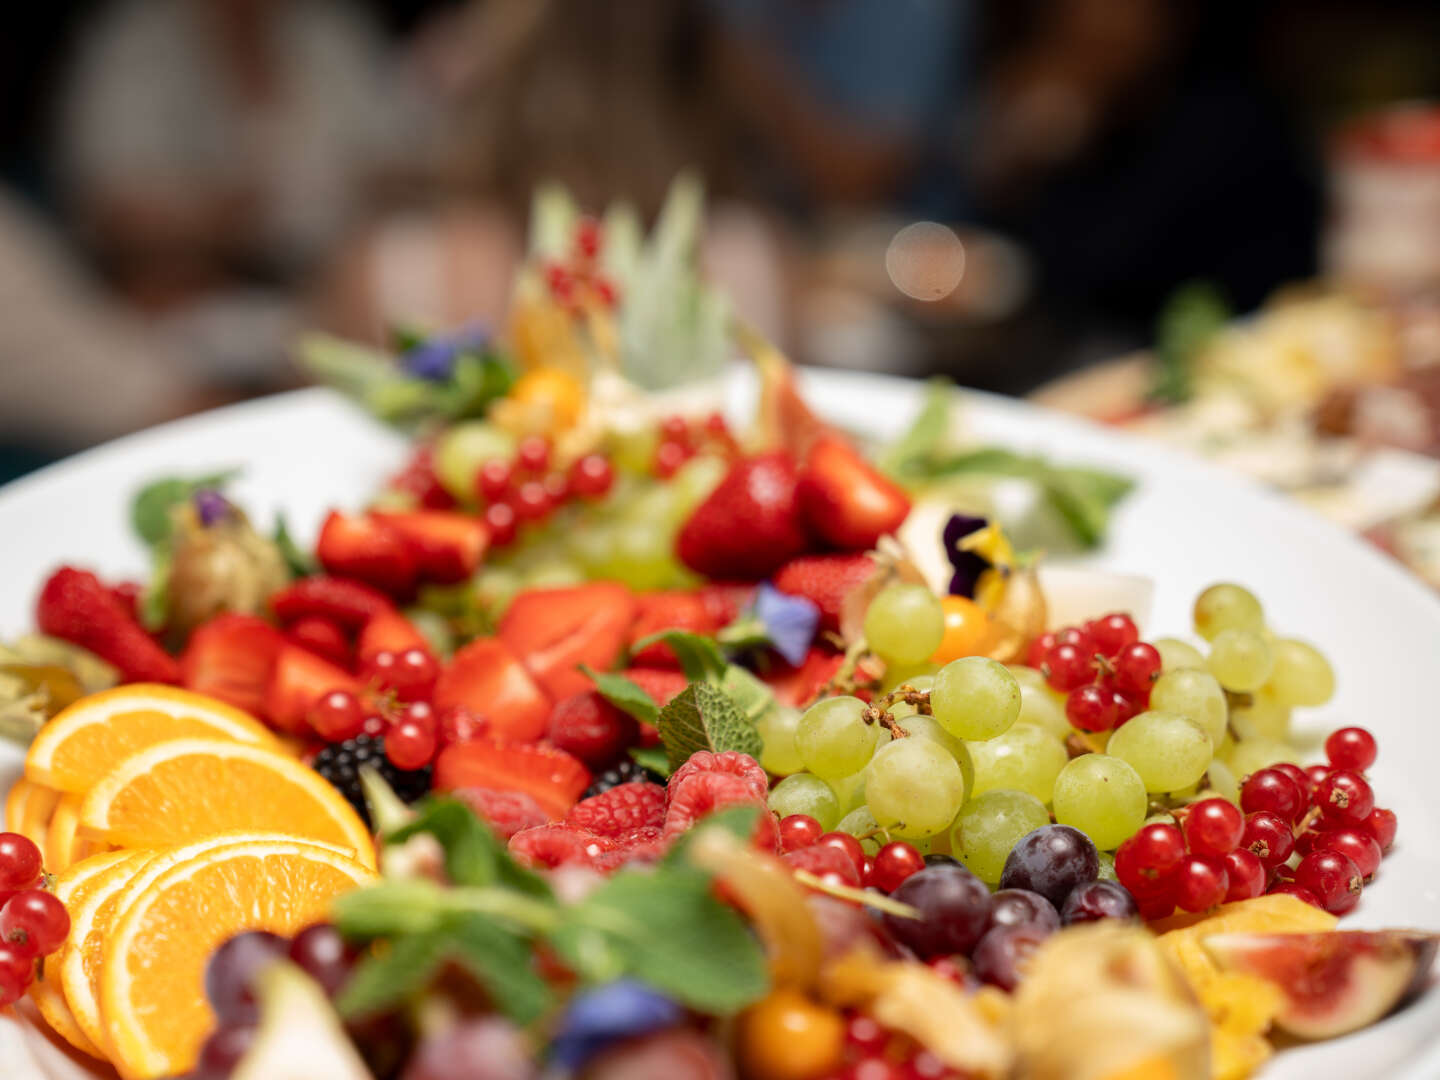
675	429
422	713
1381	825
1200	883
500	519
409	675
1246	874
460	725
1274	792
1213	827
716	425
1068	667
1344	798
848	844
34	922
1075	635
605	291
1092	708
20	861
1136	668
587	237
337	716
893	864
409	746
17	971
1289	888
1315	775
1128	707
494	480
1160	905
799	831
560	281
866	1034
592	476
1038	649
1302	781
1334	879
533	454
1268	837
531	501
1113	633
1145	862
669	456
557	487
1351	748
867	868
1358	844
374	726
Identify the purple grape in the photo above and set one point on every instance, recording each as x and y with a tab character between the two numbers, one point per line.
321	953
222	1051
230	974
1016	907
954	906
936	858
1051	861
487	1048
1093	900
1003	953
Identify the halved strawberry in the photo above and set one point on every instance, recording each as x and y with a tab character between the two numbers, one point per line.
554	631
551	777
800	685
671	610
825	580
369	550
231	657
845	500
298	680
345	602
389	631
448	546
321	636
489	680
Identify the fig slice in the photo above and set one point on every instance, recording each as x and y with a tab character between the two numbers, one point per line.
1333	983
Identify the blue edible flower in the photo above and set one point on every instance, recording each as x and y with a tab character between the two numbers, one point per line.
434	358
969	565
607	1014
790	621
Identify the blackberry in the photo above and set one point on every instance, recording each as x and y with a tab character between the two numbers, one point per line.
340	764
628	771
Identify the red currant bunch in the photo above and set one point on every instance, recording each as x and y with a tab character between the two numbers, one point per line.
33	922
1102	667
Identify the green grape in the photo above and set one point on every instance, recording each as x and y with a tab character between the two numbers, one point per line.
914	788
1195	694
696	479
921	726
642	556
907	674
1040	707
1241	660
1227	607
1221	781
1103	797
777	729
495	586
1026	676
1169	751
988	828
904	624
1025	758
553	574
633	451
1176	654
591	544
849	791
1107	867
463	448
1263	717
806	793
861	824
1252	755
833	739
1302	675
975	698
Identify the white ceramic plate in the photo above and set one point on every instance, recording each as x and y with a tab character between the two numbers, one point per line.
1187	525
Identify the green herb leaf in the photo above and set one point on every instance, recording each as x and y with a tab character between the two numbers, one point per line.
624	694
154	607
299	561
700	658
473	854
751	696
392	974
394	906
150	509
653	758
501	962
926	435
1191	317
703	717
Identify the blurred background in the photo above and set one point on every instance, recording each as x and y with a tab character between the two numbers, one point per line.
186	183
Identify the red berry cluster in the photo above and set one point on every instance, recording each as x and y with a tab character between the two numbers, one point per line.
1103	667
875	1052
413	731
807	846
681	439
526	489
576	280
33	922
1326	816
419	480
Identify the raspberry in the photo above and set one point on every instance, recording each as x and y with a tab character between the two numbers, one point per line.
822	859
507	812
620	810
731	763
645	844
702	793
556	845
592	729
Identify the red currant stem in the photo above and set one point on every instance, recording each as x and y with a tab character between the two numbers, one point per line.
876	900
878	711
1311	816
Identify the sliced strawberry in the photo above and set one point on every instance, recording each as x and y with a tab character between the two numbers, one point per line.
725	600
389	631
673	610
749	525
845	500
299	679
322	637
448	546
799	686
232	657
659	683
554	631
75	606
551	777
825	580
487	678
369	550
348	603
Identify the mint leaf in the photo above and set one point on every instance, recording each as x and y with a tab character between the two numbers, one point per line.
391	975
751	696
151	506
299	561
653	758
396	906
700	658
703	717
473	854
154	607
667	928
624	694
501	962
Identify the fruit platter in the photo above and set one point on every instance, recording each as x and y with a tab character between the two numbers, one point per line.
514	713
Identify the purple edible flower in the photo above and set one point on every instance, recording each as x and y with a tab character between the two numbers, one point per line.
968	565
790	621
211	506
435	357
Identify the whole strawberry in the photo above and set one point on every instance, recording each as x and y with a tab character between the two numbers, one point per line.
75	607
749	525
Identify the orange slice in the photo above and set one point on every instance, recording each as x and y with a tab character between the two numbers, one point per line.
63	843
83	742
181	790
152	995
46	991
28	807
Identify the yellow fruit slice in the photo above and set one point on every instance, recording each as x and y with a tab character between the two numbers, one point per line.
152	993
83	742
46	991
181	790
77	965
28	807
